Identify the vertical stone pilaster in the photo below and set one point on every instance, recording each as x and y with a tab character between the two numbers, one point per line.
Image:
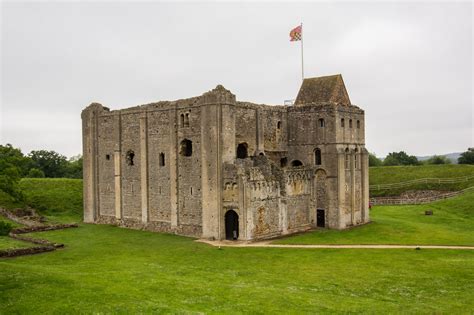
260	132
341	181
144	165
353	193
90	170
173	165
118	166
365	185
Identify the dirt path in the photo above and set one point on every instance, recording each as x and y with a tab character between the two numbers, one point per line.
268	244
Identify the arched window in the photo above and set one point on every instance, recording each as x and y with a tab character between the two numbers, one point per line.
182	120
321	122
296	163
283	162
317	157
162	159
279	125
186	120
347	161
130	157
186	148
242	150
342	122
350	123
358	124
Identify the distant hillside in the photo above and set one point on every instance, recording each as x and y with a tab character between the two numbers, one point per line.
452	156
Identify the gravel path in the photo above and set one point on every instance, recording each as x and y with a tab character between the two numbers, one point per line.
268	244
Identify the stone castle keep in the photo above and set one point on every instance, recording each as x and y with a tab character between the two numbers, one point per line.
213	167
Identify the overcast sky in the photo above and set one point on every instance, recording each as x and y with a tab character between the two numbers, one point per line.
409	66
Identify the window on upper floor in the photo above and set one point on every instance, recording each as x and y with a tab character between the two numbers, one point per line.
186	148
350	123
317	157
162	159
242	150
321	122
358	124
130	157
342	122
296	163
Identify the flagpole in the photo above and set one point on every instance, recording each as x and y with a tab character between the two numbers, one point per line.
302	61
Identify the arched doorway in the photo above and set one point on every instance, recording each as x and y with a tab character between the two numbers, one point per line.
231	225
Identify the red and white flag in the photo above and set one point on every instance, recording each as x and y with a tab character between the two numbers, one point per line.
296	33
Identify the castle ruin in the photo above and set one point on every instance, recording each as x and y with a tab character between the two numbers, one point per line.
216	168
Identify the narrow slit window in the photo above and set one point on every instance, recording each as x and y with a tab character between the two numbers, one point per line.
186	120
182	120
279	125
317	157
130	157
162	159
358	124
321	123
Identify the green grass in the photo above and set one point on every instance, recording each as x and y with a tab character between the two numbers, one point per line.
10	243
106	269
58	198
451	224
396	174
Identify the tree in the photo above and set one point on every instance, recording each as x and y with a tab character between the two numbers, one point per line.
74	168
400	158
438	159
467	157
374	160
51	163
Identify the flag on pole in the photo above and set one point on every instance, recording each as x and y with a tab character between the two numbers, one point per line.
296	33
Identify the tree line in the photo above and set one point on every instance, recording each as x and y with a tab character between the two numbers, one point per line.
402	158
15	165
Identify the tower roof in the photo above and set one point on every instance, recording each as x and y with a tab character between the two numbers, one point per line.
322	90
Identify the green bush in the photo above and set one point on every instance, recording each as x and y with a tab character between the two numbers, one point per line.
5	228
467	157
438	159
374	160
35	173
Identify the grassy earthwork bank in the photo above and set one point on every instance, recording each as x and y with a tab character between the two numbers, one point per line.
396	174
452	223
106	269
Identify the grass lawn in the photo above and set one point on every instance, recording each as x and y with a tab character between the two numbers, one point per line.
10	243
451	224
106	269
396	174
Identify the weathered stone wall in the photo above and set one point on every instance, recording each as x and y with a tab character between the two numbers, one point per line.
138	171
